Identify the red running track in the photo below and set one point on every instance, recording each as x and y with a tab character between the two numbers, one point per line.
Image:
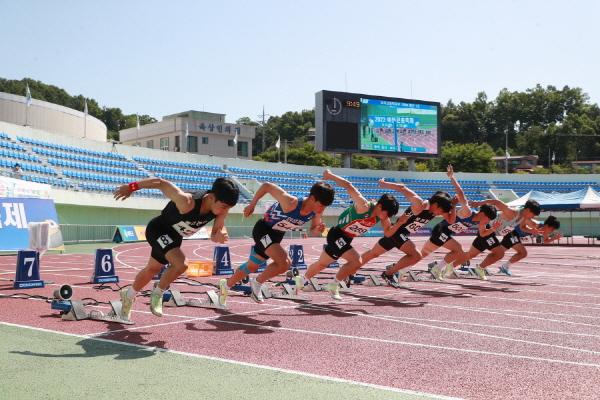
533	336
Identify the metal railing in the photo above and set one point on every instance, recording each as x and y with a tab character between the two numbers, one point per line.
78	233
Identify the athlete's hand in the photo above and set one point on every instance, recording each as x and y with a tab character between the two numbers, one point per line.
327	174
497	224
449	171
122	192
317	230
382	183
220	237
249	210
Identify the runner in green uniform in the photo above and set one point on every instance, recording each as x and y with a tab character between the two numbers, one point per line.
355	221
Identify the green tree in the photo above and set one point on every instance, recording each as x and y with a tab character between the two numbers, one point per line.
470	157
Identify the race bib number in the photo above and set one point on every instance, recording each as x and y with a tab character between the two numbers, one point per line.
340	243
514	239
415	226
356	229
491	241
458	227
286	225
443	237
164	241
185	229
266	241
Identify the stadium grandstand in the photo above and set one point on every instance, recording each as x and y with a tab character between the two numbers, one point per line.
83	173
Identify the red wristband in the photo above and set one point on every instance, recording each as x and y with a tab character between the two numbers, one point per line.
133	186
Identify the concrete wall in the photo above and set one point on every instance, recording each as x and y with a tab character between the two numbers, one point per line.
50	117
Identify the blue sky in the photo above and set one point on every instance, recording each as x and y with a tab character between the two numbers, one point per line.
159	57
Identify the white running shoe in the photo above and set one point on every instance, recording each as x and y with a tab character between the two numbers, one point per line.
436	271
126	304
448	270
334	289
256	294
480	273
223	292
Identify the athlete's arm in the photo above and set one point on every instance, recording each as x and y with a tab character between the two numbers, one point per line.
465	210
219	233
182	200
507	212
530	226
485	231
360	203
387	226
549	239
417	203
399	222
316	225
288	202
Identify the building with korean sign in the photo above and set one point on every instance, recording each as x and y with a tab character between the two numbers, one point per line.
196	132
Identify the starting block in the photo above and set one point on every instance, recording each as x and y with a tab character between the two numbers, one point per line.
72	310
104	267
174	298
420	276
296	253
315	286
288	292
27	273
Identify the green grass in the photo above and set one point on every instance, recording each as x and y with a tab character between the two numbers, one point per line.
45	365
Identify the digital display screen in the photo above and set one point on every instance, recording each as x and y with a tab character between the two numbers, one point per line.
397	127
376	125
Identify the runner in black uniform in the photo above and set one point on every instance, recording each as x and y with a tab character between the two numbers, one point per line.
508	219
184	215
414	218
442	233
513	241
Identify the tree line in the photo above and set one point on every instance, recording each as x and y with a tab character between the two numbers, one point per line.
557	125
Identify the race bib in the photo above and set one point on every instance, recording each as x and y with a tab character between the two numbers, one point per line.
185	229
414	226
357	228
286	225
458	227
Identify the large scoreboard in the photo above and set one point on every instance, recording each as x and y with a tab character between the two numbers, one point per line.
376	125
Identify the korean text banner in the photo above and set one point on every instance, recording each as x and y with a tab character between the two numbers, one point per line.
16	213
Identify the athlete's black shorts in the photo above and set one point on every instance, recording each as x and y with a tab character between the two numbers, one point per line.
510	240
337	243
397	240
483	243
440	235
161	239
264	236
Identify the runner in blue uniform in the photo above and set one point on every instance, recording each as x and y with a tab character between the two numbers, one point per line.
289	213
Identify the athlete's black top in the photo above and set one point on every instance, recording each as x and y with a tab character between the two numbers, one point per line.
189	223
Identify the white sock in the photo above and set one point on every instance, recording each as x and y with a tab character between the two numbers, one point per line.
131	292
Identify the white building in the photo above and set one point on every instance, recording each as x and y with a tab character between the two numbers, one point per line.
208	134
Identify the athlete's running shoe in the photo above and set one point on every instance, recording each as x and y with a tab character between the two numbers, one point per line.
223	292
480	273
448	270
505	270
126	304
156	300
334	289
256	293
388	278
436	271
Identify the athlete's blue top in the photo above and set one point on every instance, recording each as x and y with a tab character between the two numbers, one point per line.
521	233
291	221
460	224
